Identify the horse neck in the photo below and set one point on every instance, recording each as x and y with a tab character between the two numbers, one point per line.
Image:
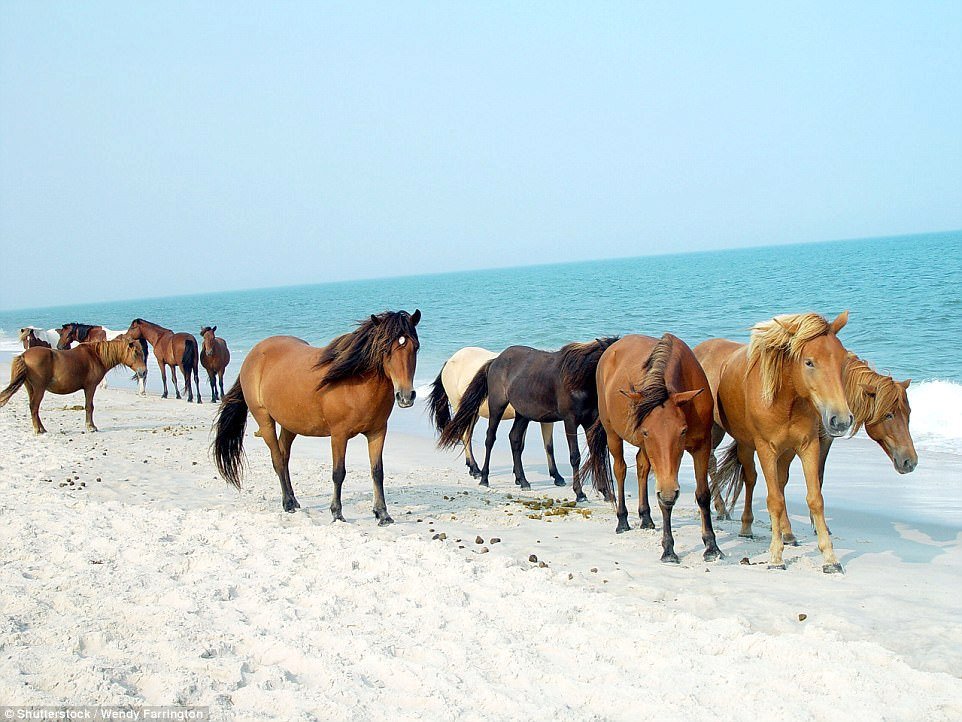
152	331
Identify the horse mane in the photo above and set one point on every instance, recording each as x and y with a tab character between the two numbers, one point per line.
112	352
654	391
82	330
870	408
362	350
778	339
579	361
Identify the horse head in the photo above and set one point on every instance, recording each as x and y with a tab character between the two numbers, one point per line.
68	334
401	355
889	427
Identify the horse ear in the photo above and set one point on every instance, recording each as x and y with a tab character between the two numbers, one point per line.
375	320
214	329
684	397
416	316
839	323
632	393
869	390
905	384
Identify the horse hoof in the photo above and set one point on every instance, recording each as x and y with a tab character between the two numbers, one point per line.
713	555
559	481
525	485
790	540
163	395
385	521
290	505
483	482
517	483
749	535
835	568
724	516
670	558
337	516
622	528
777	566
646	522
581	497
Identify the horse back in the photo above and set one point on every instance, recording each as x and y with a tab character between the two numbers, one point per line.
529	380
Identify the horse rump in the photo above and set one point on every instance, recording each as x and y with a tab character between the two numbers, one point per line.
467	414
229	426
439	407
18	376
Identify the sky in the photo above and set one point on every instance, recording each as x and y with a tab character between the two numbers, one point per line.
162	148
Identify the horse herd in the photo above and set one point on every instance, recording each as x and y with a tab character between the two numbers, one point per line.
789	392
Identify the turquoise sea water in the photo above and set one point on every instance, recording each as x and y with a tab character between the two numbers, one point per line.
904	294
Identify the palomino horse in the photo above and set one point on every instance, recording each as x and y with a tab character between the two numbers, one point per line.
347	388
29	339
214	357
81	333
664	414
878	402
446	393
170	349
774	397
64	372
542	386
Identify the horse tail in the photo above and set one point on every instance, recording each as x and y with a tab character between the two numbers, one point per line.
229	426
728	477
467	413
188	361
18	376
598	463
439	408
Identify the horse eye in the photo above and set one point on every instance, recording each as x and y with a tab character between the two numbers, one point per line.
810	363
644	433
890	415
684	431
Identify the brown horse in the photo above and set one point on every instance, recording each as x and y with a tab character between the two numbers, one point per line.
878	402
79	332
29	339
64	372
774	397
664	415
170	349
214	357
347	388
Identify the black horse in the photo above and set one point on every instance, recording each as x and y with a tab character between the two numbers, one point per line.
542	386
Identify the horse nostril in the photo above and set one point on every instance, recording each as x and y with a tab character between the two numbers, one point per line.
414	395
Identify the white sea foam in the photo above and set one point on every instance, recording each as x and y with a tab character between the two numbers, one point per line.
937	415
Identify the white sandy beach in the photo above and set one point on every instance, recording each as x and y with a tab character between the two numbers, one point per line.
145	579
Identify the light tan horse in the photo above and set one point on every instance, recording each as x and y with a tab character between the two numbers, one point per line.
446	393
652	393
64	372
878	402
214	357
774	397
347	388
29	339
173	350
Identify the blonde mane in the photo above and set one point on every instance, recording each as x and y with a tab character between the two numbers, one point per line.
779	339
112	353
870	408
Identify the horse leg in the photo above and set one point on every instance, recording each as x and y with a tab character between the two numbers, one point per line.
788	536
173	380
701	458
269	435
338	452
516	437
616	447
163	377
717	434
220	377
668	555
816	504
375	450
643	467
89	407
494	418
574	456
547	433
746	457
824	446
469	451
776	504
196	382
213	387
284	441
35	397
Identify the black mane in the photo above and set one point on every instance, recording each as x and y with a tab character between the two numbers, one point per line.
654	391
362	351
579	361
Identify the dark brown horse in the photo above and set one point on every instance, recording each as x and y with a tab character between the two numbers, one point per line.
775	397
347	388
653	394
29	339
79	332
64	372
170	349
542	386
214	357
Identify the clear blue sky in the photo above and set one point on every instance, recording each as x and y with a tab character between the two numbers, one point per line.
162	148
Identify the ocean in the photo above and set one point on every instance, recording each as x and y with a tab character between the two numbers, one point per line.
904	294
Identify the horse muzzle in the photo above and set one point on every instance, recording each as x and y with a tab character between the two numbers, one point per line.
905	464
405	400
667	502
838	424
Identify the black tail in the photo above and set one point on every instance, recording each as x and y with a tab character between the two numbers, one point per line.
229	425
18	376
467	414
188	361
728	478
439	410
597	463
